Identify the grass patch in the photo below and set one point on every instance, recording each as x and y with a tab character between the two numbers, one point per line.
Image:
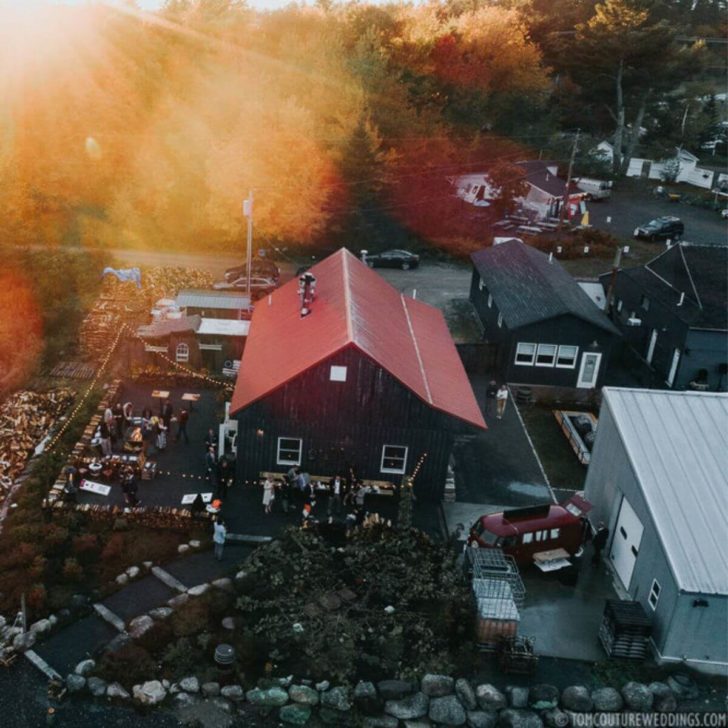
558	459
462	320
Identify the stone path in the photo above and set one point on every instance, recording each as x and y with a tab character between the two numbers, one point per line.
85	637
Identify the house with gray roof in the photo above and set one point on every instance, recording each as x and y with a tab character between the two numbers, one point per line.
658	479
673	311
544	328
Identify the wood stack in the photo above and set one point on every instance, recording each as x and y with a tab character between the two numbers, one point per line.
73	370
625	630
25	419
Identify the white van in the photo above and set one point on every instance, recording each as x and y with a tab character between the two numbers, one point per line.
596	189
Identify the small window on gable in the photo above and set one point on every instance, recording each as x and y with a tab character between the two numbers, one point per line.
394	459
337	374
490	300
182	353
654	596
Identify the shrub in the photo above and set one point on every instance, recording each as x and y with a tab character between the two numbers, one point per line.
190	618
54	536
72	570
86	545
36	598
156	638
181	658
130	664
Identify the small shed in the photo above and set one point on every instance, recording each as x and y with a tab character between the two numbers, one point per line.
210	303
221	340
174	338
658	479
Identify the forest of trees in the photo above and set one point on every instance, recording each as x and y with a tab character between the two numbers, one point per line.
121	128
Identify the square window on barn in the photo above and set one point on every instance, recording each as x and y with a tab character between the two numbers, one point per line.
566	358
337	374
654	594
394	459
525	354
546	355
289	451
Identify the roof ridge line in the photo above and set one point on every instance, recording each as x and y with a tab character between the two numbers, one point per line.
347	297
417	349
690	277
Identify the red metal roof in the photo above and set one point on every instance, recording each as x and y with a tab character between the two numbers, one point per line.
354	306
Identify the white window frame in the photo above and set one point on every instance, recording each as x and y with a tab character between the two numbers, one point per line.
500	320
288	461
481	284
573	363
532	354
654	597
337	373
553	358
490	300
396	471
182	353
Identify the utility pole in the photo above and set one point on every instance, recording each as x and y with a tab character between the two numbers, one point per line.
248	212
567	188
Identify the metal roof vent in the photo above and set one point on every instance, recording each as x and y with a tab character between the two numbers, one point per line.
307	291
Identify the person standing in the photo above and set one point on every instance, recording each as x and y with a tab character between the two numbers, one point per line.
219	532
335	488
167	413
184	416
599	542
211	465
210	439
119	420
105	434
490	395
269	494
225	477
285	490
109	420
501	398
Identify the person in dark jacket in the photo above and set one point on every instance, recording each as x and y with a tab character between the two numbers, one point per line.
490	394
182	420
167	413
599	542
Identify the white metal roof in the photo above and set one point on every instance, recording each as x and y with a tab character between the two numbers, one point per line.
678	446
224	327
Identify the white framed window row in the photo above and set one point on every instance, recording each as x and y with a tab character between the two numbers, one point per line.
546	355
289	451
394	459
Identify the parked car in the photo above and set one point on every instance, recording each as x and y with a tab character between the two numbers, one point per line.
259	286
261	268
523	532
595	189
393	259
661	228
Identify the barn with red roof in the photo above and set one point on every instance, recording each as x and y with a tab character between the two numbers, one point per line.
364	379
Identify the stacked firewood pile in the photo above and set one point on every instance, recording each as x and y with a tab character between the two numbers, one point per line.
122	303
151	516
25	419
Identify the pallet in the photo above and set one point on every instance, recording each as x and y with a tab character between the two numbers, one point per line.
73	370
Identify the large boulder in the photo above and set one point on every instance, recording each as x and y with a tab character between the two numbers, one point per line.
517	696
366	699
42	626
295	714
395	689
75	683
190	684
24	641
270	698
85	667
211	689
607	700
96	686
664	698
381	721
151	692
482	719
466	694
489	697
447	710
412	706
161	613
543	697
515	718
303	694
225	584
139	626
116	691
555	718
199	590
683	686
233	692
177	601
577	699
336	699
435	686
185	699
637	697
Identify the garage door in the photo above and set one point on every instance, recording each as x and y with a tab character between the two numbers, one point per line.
626	542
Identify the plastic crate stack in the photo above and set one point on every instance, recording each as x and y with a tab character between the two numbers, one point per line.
625	630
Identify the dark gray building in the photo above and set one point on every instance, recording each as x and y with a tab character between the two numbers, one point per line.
658	478
673	312
545	328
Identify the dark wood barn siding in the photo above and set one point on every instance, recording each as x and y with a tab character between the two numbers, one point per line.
347	423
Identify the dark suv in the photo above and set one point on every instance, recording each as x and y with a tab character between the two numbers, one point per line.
661	228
